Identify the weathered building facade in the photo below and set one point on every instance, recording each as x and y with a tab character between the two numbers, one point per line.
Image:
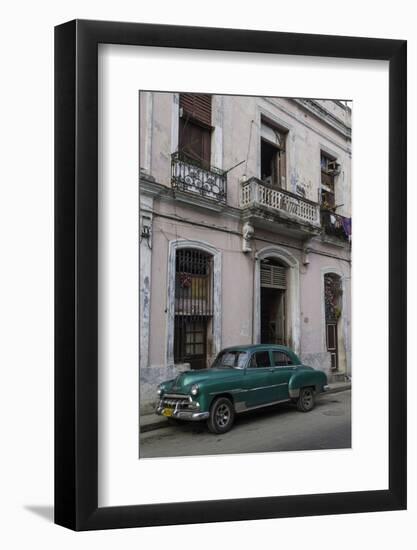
245	230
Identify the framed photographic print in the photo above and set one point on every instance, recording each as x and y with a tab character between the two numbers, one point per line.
230	275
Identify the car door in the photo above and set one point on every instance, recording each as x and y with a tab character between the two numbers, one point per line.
258	380
282	368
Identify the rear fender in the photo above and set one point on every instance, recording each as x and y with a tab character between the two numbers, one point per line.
312	378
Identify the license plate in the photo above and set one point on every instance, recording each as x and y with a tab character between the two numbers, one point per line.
167	412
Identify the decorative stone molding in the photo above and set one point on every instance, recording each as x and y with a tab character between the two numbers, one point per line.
248	232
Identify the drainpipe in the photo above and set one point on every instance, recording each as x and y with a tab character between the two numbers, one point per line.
254	311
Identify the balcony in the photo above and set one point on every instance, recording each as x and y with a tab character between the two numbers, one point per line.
335	225
190	180
273	208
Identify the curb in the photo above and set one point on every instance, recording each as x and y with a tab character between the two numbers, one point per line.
159	423
338	389
156	424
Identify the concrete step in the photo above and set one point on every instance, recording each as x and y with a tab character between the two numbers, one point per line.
335	387
338	377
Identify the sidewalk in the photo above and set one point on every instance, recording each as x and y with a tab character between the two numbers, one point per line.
335	387
149	422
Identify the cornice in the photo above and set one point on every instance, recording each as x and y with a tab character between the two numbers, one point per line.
325	115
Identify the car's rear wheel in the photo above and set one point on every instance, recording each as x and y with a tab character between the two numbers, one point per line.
222	416
306	400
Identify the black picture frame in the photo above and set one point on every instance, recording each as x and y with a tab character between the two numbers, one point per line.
76	272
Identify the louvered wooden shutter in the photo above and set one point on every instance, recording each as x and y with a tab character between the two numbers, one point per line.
273	276
195	142
197	106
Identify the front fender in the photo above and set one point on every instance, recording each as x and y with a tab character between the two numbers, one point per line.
204	399
210	393
304	378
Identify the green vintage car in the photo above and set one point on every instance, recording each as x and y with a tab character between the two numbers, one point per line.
241	378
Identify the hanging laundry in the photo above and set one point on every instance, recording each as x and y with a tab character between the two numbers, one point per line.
347	226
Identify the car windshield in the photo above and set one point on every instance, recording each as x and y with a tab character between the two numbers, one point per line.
231	359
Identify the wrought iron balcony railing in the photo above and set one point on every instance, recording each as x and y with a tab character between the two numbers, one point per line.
336	225
189	176
255	192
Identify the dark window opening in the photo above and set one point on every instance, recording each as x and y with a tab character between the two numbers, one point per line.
331	337
273	167
195	129
329	170
273	302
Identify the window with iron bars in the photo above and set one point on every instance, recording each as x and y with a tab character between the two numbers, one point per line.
332	305
193	306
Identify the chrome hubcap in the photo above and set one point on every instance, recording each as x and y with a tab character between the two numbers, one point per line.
222	415
307	399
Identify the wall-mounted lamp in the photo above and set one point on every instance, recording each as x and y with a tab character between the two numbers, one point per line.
146	230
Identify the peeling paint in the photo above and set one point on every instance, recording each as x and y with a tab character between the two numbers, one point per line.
301	186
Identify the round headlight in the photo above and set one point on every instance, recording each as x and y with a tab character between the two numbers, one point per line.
194	389
159	390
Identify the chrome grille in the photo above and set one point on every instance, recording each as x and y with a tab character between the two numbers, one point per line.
175	402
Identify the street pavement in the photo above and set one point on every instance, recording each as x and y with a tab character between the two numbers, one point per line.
278	428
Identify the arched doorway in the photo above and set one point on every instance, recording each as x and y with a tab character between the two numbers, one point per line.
273	302
277	297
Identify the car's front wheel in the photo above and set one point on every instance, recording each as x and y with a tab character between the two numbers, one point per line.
306	400
222	416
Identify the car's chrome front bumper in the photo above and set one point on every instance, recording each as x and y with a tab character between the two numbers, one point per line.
181	407
184	415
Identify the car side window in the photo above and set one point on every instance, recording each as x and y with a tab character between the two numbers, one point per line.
260	359
281	359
